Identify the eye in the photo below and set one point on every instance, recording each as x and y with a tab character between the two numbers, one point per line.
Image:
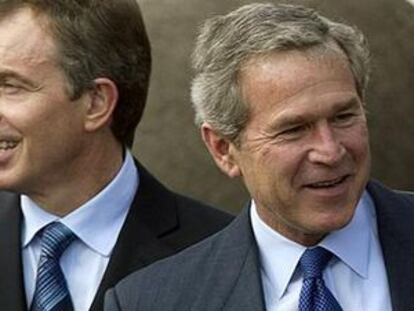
292	133
10	88
293	130
344	118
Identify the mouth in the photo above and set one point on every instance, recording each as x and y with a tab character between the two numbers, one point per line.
7	144
329	183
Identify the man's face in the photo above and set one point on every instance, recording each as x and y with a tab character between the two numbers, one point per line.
304	154
40	127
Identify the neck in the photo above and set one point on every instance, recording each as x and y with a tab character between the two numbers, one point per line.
81	180
277	224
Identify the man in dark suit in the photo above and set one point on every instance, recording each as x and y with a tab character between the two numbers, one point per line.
279	94
78	212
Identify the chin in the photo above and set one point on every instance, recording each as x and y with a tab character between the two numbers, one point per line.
340	224
10	182
334	222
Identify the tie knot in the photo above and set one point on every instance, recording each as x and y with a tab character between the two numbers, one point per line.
56	237
313	261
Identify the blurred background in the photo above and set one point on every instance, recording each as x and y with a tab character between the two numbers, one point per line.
169	145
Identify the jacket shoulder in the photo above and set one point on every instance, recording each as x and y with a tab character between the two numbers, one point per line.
187	220
198	217
166	282
392	197
211	266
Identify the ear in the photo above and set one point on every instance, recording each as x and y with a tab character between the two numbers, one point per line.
101	104
221	149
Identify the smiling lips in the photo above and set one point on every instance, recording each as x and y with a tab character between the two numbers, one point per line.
7	144
327	183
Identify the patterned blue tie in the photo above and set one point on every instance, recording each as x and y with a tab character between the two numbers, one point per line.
315	296
51	293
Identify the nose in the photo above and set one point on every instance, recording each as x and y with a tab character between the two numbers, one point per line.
325	147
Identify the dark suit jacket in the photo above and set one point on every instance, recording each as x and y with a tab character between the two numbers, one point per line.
223	273
159	224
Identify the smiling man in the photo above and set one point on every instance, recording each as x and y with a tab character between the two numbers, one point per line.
303	153
77	211
279	95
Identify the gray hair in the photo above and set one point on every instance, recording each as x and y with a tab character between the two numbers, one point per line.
226	42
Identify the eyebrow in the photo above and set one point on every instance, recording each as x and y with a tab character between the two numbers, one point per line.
290	121
348	104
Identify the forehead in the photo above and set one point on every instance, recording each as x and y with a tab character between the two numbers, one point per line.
23	38
282	76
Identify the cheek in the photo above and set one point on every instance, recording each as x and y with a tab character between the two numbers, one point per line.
274	174
51	130
357	143
287	163
30	115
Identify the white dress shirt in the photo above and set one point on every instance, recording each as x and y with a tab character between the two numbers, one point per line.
96	223
356	276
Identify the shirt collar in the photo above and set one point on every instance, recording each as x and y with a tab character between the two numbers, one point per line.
350	244
97	222
277	268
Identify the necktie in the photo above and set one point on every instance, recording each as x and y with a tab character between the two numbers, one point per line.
51	292
315	296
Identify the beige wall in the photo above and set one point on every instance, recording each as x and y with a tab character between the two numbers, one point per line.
168	143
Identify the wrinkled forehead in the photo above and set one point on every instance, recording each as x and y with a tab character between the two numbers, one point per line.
24	31
283	76
37	14
283	62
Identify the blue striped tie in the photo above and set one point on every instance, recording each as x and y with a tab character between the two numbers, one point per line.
315	296
51	293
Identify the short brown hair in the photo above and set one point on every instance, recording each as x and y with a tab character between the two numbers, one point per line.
100	38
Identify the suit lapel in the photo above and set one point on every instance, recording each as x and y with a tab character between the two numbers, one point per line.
152	213
395	216
12	293
247	293
237	259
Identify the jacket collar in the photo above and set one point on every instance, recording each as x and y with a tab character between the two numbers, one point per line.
395	218
153	213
